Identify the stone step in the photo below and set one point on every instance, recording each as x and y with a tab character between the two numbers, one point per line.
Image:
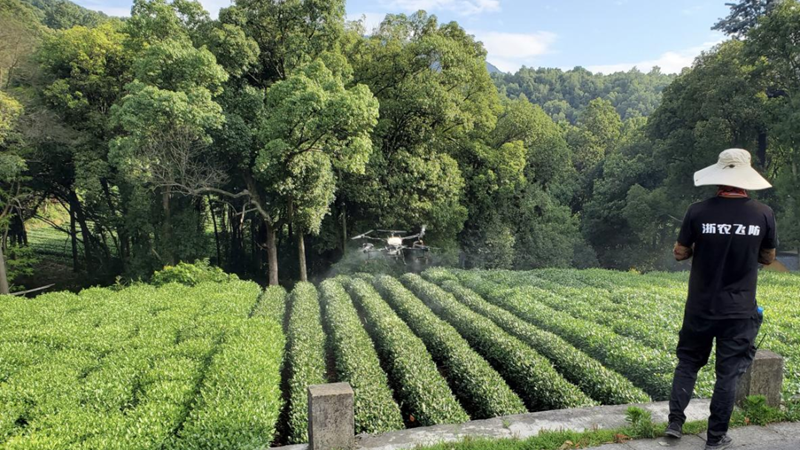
519	426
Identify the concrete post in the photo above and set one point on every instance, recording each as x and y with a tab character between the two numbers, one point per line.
764	377
331	423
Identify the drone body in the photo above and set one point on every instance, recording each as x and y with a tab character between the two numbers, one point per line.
394	244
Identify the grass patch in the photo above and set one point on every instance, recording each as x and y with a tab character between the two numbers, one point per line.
755	411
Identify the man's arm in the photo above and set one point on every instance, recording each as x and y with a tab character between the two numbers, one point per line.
766	256
683	248
681	252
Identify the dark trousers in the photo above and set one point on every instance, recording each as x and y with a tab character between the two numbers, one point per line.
735	352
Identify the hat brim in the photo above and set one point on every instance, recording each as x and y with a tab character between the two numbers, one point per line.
740	176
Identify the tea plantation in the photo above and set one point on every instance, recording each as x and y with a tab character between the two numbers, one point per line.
226	365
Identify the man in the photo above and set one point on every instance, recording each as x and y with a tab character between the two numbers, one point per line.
728	235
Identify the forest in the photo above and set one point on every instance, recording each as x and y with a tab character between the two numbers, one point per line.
263	140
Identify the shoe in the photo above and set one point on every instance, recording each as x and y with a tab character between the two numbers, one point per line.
674	430
725	442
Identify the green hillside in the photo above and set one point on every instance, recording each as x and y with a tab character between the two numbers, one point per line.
63	14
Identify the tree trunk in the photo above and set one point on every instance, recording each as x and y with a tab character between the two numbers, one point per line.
121	241
105	246
87	242
234	254
253	246
344	229
272	255
301	252
762	149
10	73
17	228
216	232
166	229
226	232
290	218
261	237
74	238
3	275
24	232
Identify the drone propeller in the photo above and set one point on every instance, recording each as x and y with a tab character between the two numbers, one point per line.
363	235
419	235
370	248
392	231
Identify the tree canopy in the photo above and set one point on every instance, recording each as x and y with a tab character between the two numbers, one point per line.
267	137
565	94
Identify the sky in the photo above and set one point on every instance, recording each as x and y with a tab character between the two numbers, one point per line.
600	35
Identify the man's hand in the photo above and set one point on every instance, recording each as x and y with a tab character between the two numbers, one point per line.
766	256
681	252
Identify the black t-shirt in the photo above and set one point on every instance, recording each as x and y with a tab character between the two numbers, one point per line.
728	234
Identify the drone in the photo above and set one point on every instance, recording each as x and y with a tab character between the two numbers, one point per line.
395	244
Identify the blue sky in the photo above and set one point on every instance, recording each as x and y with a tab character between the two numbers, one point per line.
601	35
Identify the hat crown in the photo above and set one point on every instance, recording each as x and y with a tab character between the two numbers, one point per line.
732	169
734	156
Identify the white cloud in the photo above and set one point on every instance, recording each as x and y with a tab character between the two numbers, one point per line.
509	51
371	20
113	11
669	62
213	6
463	7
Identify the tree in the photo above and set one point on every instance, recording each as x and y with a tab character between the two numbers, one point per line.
434	90
165	119
548	232
64	14
313	127
20	34
602	122
10	111
717	105
629	218
595	136
514	177
12	171
565	94
280	132
289	34
84	75
744	16
773	48
152	21
642	190
286	127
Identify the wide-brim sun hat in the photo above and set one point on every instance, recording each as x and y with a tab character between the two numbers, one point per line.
732	169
